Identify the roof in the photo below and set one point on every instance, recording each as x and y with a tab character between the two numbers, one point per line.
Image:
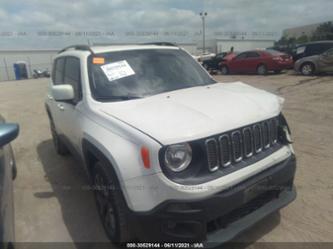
105	49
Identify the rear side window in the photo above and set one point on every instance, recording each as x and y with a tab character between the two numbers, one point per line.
72	76
58	71
315	49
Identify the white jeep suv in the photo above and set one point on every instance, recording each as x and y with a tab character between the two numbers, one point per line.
172	154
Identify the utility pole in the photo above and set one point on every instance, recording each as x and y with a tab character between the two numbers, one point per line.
203	16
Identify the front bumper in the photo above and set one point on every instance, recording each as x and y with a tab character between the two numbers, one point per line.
220	217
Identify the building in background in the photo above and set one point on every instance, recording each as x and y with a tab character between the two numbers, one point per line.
42	58
224	45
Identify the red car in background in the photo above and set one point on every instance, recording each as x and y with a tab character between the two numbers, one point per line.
256	61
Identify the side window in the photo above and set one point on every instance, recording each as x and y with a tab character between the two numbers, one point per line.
314	49
252	55
73	76
58	71
241	56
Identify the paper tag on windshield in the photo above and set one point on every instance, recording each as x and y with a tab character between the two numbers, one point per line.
117	70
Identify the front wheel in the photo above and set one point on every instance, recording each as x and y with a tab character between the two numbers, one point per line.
110	205
307	69
262	70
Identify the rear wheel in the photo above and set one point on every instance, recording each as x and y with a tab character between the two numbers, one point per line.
307	69
262	70
110	204
224	70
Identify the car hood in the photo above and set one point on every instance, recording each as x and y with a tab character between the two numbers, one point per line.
197	112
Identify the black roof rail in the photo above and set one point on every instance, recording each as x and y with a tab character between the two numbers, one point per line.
77	47
161	44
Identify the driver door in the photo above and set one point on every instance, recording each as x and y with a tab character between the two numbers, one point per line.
67	113
238	64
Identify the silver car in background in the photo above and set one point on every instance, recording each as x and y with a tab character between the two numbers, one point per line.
315	64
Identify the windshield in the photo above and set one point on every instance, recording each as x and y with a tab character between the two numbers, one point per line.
140	73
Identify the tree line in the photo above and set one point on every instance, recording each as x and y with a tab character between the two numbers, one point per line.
323	32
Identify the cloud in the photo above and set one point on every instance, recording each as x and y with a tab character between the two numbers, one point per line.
124	16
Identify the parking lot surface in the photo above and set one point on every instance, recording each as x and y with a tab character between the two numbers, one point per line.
53	205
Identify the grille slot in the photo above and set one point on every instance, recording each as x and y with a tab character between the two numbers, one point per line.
257	137
241	144
225	150
265	135
212	154
236	138
273	131
248	142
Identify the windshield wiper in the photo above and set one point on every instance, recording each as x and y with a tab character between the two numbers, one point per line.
115	98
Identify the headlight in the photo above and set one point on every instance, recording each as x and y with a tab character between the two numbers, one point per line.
178	157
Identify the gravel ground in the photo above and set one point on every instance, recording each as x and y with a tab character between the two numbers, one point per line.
50	204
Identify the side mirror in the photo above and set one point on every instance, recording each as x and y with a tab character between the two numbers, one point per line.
63	92
8	132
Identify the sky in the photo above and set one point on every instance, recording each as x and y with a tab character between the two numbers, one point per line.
57	23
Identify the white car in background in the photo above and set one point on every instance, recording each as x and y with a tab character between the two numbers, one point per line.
172	154
203	57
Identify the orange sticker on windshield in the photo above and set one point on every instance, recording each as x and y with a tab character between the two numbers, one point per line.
98	60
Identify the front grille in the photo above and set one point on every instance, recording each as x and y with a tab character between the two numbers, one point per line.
241	144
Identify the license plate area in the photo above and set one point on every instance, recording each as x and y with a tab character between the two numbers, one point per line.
255	190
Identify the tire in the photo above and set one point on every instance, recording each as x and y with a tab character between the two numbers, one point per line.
262	69
110	204
224	70
59	146
307	69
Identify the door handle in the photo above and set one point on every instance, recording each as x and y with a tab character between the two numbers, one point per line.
61	107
